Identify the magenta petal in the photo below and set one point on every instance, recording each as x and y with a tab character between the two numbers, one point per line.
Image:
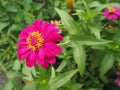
41	53
51	60
23	56
31	28
52	49
21	42
112	16
58	38
43	29
37	24
31	60
117	12
117	82
24	33
105	13
50	32
50	37
24	36
42	63
22	50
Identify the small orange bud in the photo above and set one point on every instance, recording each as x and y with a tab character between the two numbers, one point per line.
70	3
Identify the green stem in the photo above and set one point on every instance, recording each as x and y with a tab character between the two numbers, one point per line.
65	42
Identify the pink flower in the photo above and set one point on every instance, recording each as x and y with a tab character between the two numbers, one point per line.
117	81
56	23
38	44
112	13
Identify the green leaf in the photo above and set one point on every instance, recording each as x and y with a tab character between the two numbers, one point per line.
30	86
86	6
52	74
76	86
8	85
97	55
44	87
13	74
33	71
95	31
3	25
37	6
61	79
80	58
86	40
107	63
16	83
16	65
116	37
69	22
95	89
12	8
40	15
1	87
95	4
61	66
43	72
13	27
28	72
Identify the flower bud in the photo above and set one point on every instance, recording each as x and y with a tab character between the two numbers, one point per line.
70	3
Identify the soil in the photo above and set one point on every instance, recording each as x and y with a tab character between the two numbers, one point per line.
2	79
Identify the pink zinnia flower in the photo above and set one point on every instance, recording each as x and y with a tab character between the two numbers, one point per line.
112	13
117	81
38	44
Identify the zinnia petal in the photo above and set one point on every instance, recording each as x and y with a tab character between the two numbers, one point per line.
58	38
105	13
52	34
42	63
24	33
31	28
38	24
44	29
22	50
112	16
31	60
51	60
21	42
23	56
52	49
41	53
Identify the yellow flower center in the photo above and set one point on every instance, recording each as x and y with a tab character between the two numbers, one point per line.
34	40
111	10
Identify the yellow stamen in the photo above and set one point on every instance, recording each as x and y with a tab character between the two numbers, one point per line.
34	40
111	10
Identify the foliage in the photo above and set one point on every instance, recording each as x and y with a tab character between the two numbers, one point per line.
91	45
